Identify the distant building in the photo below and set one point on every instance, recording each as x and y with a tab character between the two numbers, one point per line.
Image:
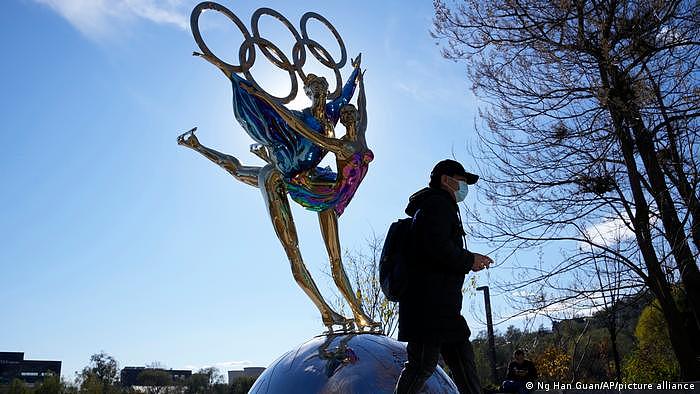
247	371
14	366
129	376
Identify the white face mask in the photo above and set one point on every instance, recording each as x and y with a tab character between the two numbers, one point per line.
461	193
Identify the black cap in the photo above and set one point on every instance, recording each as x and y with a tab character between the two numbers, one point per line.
451	168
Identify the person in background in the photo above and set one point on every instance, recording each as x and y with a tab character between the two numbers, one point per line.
520	371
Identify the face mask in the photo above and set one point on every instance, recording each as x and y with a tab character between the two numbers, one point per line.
461	193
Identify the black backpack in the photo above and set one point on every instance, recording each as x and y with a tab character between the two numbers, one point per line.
394	263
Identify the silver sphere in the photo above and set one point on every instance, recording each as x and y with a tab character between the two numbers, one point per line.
352	363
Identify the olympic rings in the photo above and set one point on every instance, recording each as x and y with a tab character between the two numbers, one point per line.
274	54
328	59
344	54
256	33
245	47
281	61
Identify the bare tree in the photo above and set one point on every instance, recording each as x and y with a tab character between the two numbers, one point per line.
592	120
362	267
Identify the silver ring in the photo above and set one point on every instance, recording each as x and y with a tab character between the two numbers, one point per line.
274	54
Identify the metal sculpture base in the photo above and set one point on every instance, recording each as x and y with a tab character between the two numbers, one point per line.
344	363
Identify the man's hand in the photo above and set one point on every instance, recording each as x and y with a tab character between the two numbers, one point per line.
481	262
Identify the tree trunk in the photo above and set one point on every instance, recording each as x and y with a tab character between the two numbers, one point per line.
683	346
624	104
685	190
612	330
675	170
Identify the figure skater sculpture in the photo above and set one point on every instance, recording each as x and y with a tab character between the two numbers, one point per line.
293	143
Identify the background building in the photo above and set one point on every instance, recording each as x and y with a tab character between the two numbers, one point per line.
14	366
129	376
247	371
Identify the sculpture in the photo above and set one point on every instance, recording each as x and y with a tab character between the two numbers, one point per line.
344	363
292	143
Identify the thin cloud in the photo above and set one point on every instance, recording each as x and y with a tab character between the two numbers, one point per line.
523	293
233	365
98	19
609	232
223	366
577	307
426	87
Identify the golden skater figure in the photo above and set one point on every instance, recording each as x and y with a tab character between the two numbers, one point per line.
327	193
273	185
270	182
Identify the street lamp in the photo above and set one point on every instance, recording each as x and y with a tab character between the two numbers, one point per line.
489	327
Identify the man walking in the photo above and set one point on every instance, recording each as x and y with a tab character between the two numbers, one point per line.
430	317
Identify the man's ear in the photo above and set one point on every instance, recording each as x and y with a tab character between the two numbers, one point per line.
448	182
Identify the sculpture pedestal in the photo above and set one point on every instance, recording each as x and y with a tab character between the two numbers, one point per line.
344	363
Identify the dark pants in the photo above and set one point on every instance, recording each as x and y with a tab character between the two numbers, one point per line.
423	358
513	386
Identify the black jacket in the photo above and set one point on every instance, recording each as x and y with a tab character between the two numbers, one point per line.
525	372
429	310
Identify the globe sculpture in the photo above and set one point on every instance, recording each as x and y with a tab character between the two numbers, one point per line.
352	355
344	363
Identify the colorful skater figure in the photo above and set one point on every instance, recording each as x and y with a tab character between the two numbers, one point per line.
277	142
329	194
262	116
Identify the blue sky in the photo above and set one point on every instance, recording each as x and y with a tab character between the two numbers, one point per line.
116	239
